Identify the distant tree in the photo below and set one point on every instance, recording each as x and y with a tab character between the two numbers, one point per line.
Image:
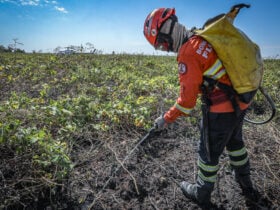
57	49
11	48
81	49
39	51
3	49
90	47
14	46
72	48
19	51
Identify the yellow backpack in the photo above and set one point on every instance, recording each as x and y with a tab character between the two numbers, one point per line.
240	56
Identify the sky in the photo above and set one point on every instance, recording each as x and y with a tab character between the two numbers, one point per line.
117	25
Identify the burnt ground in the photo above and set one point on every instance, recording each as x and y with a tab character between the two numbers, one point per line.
112	173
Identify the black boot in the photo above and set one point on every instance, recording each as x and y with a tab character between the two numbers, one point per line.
191	191
247	187
244	182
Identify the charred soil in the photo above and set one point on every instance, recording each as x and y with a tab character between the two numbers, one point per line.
109	176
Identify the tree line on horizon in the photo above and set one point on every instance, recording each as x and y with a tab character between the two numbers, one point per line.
87	48
4	49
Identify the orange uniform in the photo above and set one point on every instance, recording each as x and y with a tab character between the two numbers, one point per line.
197	58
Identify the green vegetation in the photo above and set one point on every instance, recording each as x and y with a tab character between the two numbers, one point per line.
49	102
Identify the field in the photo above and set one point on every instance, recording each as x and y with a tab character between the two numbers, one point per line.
69	127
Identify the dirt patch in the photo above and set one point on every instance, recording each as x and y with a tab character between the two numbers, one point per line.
149	177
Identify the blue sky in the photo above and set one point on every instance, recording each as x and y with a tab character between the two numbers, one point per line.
117	25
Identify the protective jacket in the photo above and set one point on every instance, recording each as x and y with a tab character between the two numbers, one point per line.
197	59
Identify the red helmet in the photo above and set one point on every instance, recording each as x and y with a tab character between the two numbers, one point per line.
154	21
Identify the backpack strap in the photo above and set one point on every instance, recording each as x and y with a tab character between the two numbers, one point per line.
210	84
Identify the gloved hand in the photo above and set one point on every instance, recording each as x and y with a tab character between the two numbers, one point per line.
160	123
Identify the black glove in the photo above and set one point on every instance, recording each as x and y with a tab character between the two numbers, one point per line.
160	123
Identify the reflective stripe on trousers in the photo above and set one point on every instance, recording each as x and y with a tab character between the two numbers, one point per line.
238	157
220	125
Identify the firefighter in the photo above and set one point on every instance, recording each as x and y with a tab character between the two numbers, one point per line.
197	62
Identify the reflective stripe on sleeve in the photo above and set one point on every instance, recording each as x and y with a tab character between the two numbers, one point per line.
219	75
215	70
183	109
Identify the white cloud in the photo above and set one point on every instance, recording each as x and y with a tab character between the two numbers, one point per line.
30	2
22	2
9	1
44	3
61	9
50	2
